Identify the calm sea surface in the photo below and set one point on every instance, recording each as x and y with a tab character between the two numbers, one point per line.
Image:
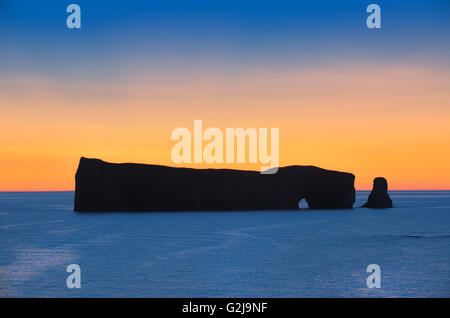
299	253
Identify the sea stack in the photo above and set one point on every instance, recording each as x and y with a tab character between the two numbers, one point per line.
103	186
379	197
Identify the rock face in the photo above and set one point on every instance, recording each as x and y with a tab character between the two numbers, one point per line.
379	197
102	186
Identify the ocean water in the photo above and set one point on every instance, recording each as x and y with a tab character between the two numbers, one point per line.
300	253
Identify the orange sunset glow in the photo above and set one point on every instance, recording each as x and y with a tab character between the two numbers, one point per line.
389	120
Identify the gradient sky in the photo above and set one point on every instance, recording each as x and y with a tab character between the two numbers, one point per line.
370	102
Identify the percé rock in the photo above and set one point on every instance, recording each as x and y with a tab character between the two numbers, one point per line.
379	197
102	186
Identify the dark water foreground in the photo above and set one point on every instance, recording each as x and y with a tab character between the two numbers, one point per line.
219	254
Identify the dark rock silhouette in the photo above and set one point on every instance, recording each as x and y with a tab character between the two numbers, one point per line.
102	186
379	197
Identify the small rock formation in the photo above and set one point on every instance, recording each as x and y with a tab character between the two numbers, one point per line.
379	197
102	186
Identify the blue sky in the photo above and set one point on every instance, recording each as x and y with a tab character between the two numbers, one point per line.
171	34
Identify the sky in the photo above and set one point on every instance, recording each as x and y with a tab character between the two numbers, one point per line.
374	102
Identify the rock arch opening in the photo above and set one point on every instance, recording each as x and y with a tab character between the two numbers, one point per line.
303	204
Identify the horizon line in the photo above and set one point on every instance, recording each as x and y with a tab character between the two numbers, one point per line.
29	191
